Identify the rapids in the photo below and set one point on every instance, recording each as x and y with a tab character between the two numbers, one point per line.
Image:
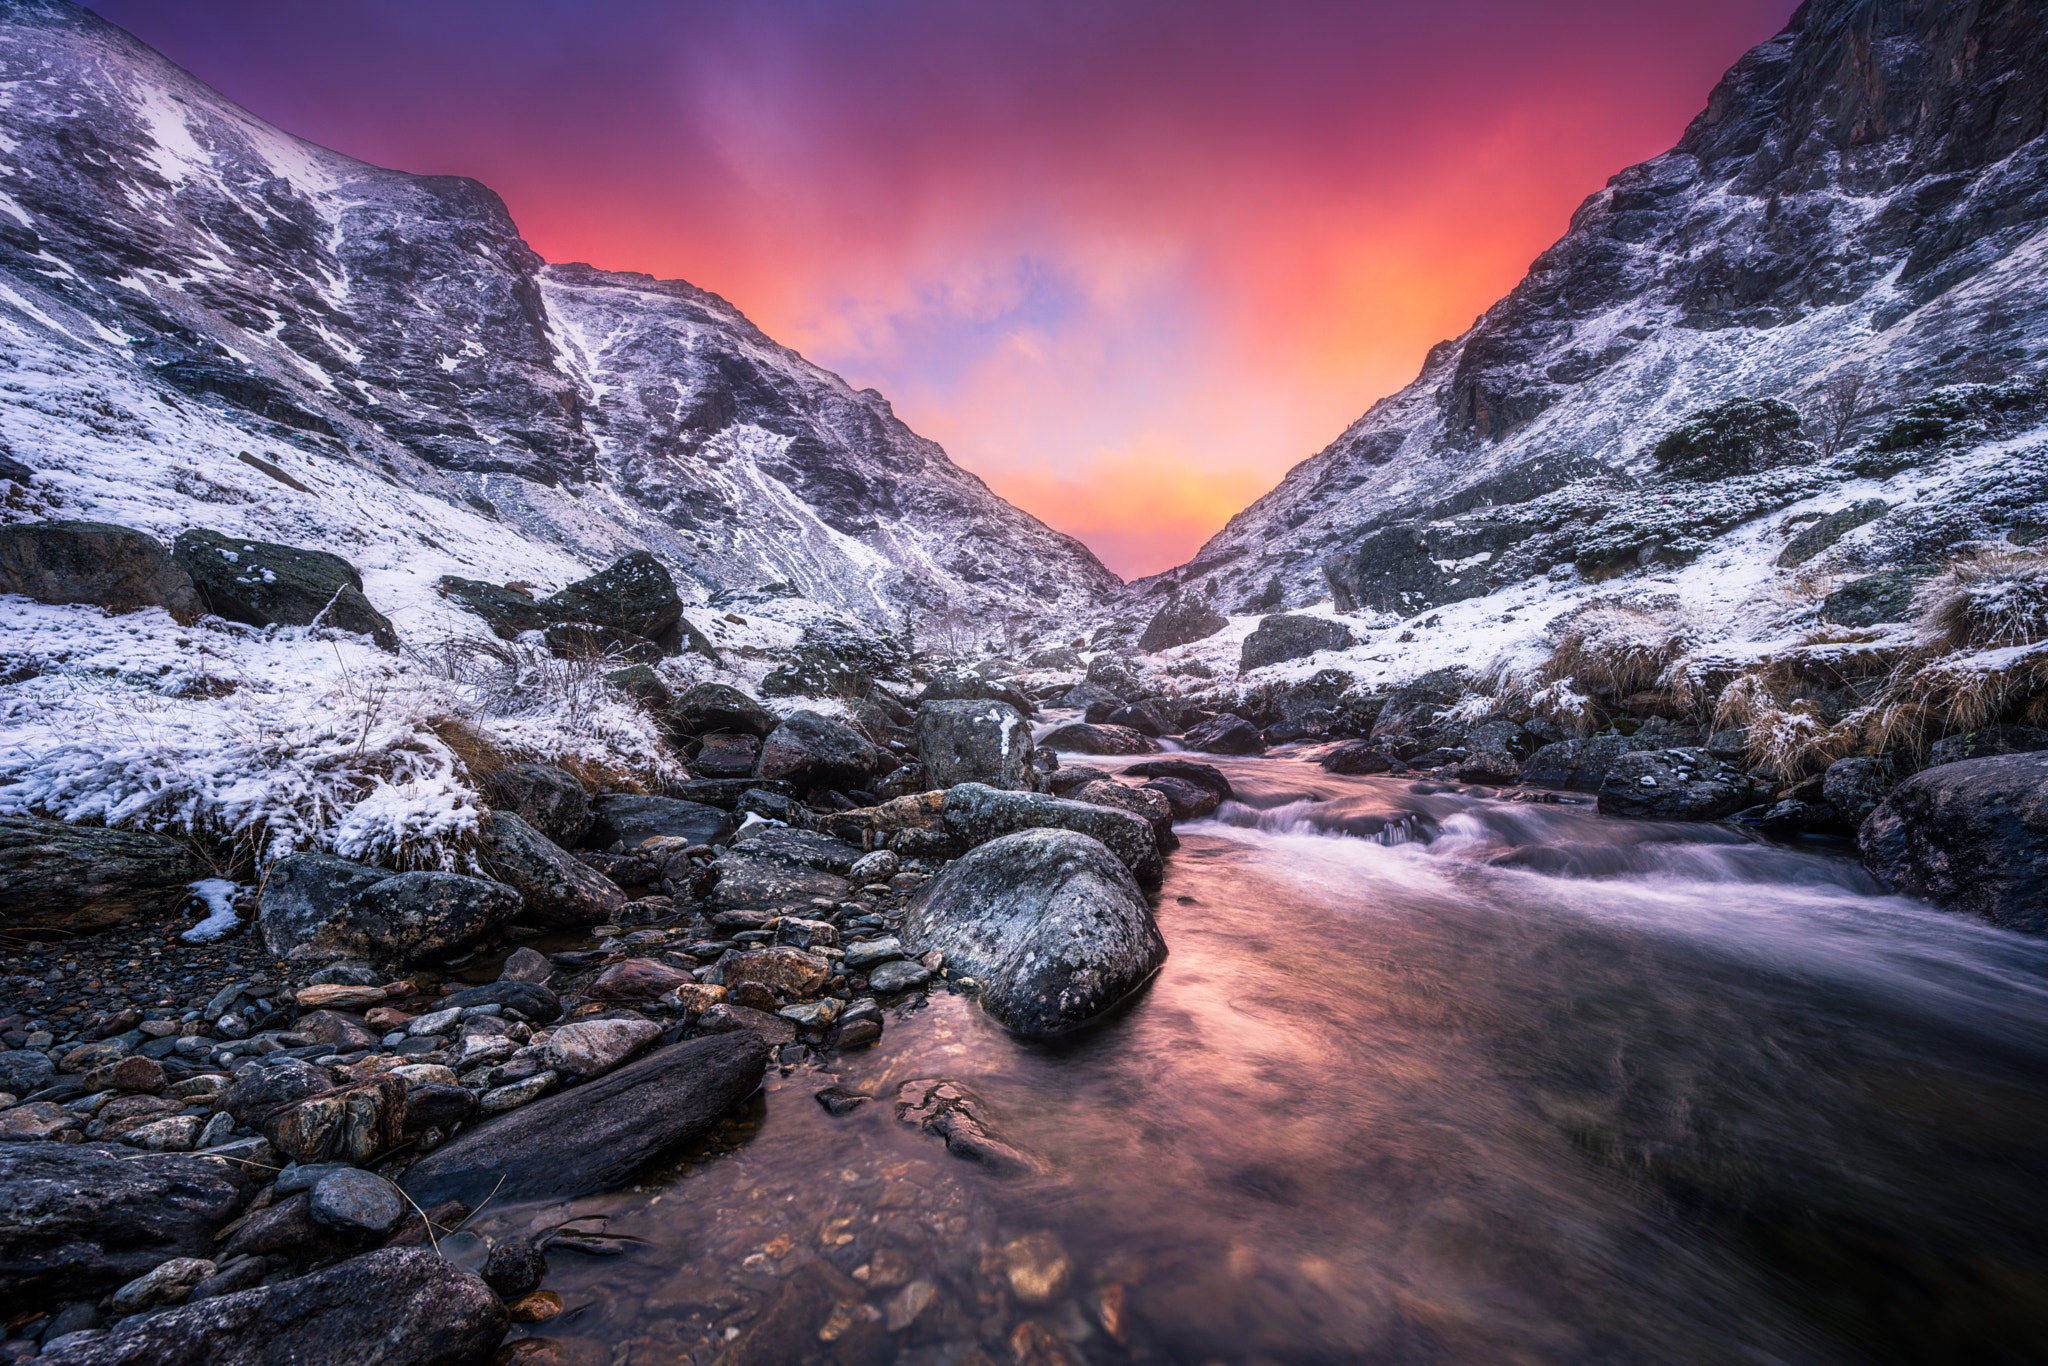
1431	1076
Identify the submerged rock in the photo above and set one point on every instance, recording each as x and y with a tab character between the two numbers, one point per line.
1049	921
949	1111
1969	836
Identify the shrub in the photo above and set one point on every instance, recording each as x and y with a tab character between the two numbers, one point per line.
1741	436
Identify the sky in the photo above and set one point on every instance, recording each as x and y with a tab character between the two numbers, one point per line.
1127	260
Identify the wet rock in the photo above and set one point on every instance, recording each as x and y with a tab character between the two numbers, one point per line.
345	1032
949	1111
1037	1267
1853	787
1182	621
619	816
166	1284
817	1305
1283	636
810	751
1078	737
175	1134
514	1094
975	742
752	887
898	976
394	1307
1049	921
526	965
713	707
24	1072
97	563
1150	807
356	1202
262	583
1876	599
591	1048
355	1123
1582	765
785	971
75	1221
1489	766
727	756
1184	770
1186	801
634	594
806	848
1986	741
557	891
729	1017
1968	836
266	1087
598	1135
74	879
414	918
869	953
304	900
1356	758
1674	785
36	1121
529	999
1420	705
547	798
437	1107
1226	734
515	1267
636	979
975	814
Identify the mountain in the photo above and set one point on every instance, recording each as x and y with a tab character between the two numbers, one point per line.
185	289
1853	222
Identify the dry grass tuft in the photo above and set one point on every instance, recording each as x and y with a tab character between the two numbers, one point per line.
1996	598
1612	649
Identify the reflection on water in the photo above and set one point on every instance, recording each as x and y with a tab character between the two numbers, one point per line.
1430	1076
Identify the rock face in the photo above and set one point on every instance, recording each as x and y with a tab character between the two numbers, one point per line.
547	798
1182	621
1854	787
975	742
1283	637
264	584
370	324
1672	785
810	751
595	1136
396	1307
106	566
556	889
975	814
75	1221
1049	921
634	819
1969	836
73	879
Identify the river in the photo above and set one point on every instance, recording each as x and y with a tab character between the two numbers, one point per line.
1430	1076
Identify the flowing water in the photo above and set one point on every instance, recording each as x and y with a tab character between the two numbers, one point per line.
1430	1076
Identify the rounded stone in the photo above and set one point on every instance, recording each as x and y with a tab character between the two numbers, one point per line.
354	1199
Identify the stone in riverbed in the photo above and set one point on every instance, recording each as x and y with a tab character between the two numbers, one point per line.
346	1033
1854	787
868	953
596	1136
325	906
1969	836
23	1071
1226	734
1581	765
1185	770
636	979
975	814
437	1107
879	866
166	1284
559	891
730	1017
622	816
73	879
1049	921
591	1048
897	976
1078	737
1674	785
1186	801
526	965
948	1110
787	971
530	999
807	848
136	1074
1150	807
78	1222
754	886
813	751
975	742
358	1123
173	1134
267	1087
547	798
394	1307
356	1202
36	1121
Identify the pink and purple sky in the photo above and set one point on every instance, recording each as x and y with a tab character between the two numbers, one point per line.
1128	260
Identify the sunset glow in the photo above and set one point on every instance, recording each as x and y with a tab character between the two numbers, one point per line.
1128	262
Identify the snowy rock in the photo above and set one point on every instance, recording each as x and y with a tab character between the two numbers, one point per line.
955	685
1969	836
1183	621
591	1048
509	614
1876	598
108	566
1821	534
265	584
78	878
1673	785
808	848
1049	921
812	751
974	742
556	889
1417	707
975	815
709	707
1114	676
1283	637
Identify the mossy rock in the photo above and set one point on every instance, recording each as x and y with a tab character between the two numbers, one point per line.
1877	598
261	583
508	613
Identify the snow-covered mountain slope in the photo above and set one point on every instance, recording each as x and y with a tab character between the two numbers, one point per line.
1865	195
181	284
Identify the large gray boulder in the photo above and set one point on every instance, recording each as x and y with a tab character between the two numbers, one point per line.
1419	704
76	1222
1968	836
957	685
73	879
303	899
319	906
635	819
1115	676
393	1307
1226	734
1050	923
559	891
975	742
810	848
1675	785
975	813
1078	737
549	799
1581	765
810	751
598	1135
261	583
1284	636
98	563
1183	621
710	707
754	884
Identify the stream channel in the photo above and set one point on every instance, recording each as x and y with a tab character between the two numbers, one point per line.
1430	1076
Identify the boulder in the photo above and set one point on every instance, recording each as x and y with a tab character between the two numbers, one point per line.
1493	767
1673	785
354	1124
302	900
975	814
1151	807
1147	716
727	756
1876	599
268	1087
954	685
756	885
1186	801
76	1222
1183	621
598	1135
1110	674
641	683
23	1071
788	972
58	879
714	707
345	1032
1581	765
1419	705
1185	770
1356	758
810	751
357	1202
602	645
407	918
1986	741
96	563
1968	836
1853	787
809	848
628	817
1049	921
549	799
1226	734
1078	737
1284	636
508	612
557	891
394	1307
260	583
1084	695
591	1048
636	979
634	594
975	742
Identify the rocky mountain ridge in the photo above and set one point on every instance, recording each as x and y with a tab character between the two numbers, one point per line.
170	264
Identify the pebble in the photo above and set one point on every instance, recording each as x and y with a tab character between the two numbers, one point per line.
518	1093
870	952
898	976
